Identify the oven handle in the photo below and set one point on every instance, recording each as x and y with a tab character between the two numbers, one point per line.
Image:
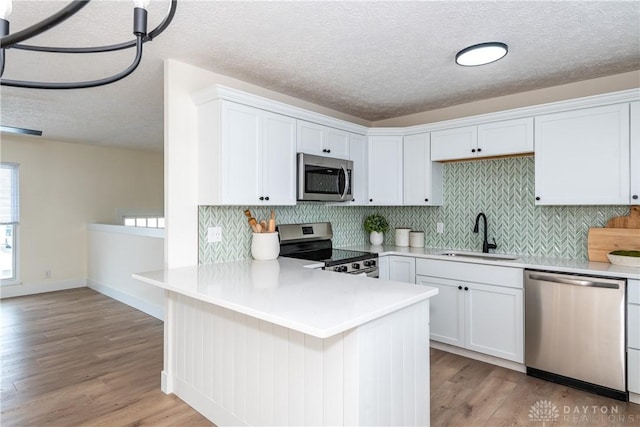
346	184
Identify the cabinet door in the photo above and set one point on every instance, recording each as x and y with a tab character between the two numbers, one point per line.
505	137
358	154
402	269
452	144
633	372
240	154
494	321
310	138
278	152
582	157
385	170
635	153
446	310
336	144
383	268
422	178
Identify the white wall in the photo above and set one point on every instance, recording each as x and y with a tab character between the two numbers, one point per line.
63	187
613	83
115	253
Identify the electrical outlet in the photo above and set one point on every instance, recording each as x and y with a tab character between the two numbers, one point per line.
440	227
214	234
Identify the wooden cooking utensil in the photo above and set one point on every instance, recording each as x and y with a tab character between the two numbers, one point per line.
629	221
252	221
272	223
263	225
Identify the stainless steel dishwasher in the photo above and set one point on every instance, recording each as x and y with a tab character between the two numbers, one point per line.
575	331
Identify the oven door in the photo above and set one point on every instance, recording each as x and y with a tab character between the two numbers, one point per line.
324	178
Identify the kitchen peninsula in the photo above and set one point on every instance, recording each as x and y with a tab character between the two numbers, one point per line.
275	343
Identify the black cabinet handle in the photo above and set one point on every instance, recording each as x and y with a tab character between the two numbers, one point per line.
328	151
537	198
266	198
353	200
466	288
479	150
473	150
460	287
261	198
634	197
371	200
426	200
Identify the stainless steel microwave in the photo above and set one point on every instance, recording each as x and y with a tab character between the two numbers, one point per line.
324	179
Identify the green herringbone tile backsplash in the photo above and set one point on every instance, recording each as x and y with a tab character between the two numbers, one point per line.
503	189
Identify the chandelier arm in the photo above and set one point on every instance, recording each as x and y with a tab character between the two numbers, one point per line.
81	85
109	48
44	25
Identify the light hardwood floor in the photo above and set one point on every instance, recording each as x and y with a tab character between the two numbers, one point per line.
76	357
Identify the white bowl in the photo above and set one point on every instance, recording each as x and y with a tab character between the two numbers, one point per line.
630	261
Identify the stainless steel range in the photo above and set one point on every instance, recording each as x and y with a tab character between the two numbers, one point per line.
313	242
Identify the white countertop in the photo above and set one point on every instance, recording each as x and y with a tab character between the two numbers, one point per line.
523	261
315	302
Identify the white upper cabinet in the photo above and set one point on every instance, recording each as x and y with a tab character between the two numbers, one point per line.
505	138
358	150
246	156
422	178
494	139
322	140
582	157
452	144
635	153
385	170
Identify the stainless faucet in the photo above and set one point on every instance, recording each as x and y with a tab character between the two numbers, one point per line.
485	244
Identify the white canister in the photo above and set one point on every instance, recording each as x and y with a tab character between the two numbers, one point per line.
265	246
402	236
416	239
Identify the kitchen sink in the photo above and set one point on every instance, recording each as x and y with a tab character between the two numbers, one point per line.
482	256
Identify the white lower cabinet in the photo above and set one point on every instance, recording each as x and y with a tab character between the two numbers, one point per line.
633	339
397	268
478	307
402	269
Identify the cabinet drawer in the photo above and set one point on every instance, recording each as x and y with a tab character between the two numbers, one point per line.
470	272
633	326
633	291
633	371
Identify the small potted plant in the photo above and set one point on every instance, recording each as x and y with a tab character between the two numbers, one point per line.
376	225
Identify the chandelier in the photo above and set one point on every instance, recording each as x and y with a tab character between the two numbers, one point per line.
13	41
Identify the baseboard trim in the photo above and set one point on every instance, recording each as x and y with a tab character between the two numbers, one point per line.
479	356
23	289
135	302
634	398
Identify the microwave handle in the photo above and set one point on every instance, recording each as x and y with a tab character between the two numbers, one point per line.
346	184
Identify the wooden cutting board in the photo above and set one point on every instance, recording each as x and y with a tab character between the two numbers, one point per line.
601	241
630	221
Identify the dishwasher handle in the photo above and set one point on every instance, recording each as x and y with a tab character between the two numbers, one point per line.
574	282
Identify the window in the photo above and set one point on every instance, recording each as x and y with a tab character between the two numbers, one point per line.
9	220
144	221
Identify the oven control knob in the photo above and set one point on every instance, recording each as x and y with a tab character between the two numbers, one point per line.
370	263
336	269
355	266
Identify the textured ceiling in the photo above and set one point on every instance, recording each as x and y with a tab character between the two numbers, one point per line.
373	60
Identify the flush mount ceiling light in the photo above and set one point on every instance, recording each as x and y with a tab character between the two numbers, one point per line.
481	54
12	41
